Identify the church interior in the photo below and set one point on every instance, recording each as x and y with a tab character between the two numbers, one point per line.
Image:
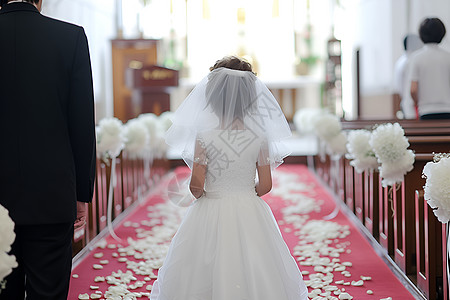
355	232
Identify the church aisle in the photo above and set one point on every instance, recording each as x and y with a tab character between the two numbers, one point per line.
336	260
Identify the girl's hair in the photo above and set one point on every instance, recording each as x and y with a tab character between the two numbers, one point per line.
233	62
231	99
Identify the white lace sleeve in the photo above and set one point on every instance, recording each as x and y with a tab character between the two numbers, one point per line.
200	152
264	154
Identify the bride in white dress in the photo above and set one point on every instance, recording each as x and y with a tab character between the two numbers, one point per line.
228	246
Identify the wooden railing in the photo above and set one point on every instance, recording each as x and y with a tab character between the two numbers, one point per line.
132	184
398	217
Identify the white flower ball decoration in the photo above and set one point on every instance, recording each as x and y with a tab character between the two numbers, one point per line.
304	119
110	139
394	172
390	145
150	121
136	137
389	142
7	236
437	187
327	126
360	152
165	120
337	144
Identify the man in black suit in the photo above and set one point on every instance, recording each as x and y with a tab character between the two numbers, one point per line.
47	148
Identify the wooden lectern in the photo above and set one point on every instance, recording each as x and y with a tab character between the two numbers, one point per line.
128	53
150	87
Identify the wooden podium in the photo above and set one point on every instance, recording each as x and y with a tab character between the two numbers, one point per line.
129	53
150	87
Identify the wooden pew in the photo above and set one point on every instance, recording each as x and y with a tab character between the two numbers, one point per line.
358	196
339	187
349	185
129	176
445	262
403	216
430	238
371	202
127	180
390	214
411	127
102	185
429	144
387	197
322	163
117	205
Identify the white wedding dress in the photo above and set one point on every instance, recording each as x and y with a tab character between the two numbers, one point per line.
228	246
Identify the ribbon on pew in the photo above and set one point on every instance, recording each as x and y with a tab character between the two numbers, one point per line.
112	185
334	174
393	189
148	161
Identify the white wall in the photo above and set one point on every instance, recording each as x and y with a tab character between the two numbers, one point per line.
98	19
377	28
368	27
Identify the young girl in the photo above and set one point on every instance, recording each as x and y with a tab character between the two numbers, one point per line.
229	246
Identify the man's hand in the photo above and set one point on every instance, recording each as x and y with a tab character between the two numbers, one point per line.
80	222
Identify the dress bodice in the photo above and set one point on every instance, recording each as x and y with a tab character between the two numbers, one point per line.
231	157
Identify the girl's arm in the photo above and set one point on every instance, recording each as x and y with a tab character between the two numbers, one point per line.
198	170
264	184
197	180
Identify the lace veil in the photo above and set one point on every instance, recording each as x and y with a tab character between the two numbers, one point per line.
229	99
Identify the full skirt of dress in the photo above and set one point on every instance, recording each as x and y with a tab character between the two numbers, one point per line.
229	248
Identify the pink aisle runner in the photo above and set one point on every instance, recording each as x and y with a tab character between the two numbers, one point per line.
333	255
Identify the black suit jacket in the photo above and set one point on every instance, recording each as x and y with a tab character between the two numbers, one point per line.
47	127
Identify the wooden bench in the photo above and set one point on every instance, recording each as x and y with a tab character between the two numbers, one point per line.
431	258
130	184
389	213
411	127
396	232
371	203
387	196
404	216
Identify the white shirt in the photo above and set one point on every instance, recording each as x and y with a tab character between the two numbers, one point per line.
402	85
430	67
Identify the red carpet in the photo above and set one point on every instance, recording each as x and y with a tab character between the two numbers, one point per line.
298	202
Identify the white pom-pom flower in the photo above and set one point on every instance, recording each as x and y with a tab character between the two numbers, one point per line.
327	126
337	144
390	145
109	137
136	137
165	120
150	121
394	172
7	236
304	119
360	152
388	142
437	187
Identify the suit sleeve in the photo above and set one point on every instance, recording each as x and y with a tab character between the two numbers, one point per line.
81	120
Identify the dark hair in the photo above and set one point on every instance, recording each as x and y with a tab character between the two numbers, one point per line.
432	30
4	2
405	42
217	98
233	62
